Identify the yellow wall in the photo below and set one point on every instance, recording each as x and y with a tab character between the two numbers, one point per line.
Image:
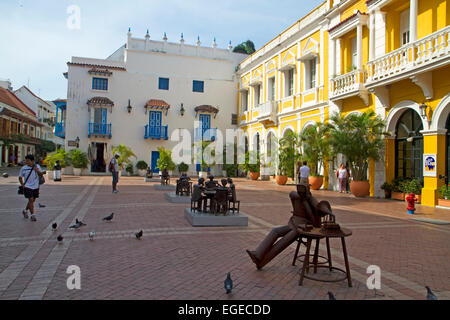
350	11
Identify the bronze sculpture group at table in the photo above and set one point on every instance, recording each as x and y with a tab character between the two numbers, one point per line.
218	195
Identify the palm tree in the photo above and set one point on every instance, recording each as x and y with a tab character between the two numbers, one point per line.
288	154
316	146
359	137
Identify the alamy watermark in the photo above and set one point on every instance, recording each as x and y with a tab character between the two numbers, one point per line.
74	280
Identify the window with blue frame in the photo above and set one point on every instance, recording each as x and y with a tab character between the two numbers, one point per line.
163	83
99	84
198	86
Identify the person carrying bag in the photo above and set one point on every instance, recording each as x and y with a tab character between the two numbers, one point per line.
30	188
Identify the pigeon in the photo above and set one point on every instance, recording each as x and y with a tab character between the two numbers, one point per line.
430	294
139	235
54	226
42	206
91	235
228	283
5	175
109	218
331	296
60	238
78	224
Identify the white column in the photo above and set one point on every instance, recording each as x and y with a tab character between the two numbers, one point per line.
372	37
338	57
359	46
413	20
333	58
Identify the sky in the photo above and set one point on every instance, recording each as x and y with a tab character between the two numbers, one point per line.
39	37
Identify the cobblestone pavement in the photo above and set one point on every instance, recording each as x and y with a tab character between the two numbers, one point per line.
177	261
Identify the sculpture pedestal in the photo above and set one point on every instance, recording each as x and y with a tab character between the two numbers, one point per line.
172	197
198	219
153	180
167	187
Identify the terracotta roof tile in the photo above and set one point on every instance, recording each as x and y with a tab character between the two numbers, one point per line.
100	101
95	66
157	104
206	108
12	100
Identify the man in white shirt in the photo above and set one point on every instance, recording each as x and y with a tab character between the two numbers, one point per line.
29	179
115	172
304	174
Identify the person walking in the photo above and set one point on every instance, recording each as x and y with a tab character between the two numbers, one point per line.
114	168
31	173
342	175
304	174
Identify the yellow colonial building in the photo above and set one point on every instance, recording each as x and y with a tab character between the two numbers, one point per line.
389	56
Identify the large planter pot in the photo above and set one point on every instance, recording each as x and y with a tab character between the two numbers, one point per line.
254	175
360	189
67	170
142	172
281	180
224	173
316	182
398	196
203	174
444	203
77	171
387	194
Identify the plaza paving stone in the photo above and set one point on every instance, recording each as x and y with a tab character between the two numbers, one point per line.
176	261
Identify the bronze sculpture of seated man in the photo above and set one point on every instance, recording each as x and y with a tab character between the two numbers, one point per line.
307	211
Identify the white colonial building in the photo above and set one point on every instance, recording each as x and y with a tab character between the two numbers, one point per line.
143	92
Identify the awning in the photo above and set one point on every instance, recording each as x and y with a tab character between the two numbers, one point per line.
100	101
206	108
157	104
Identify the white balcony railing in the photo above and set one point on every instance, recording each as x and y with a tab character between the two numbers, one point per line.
267	109
348	83
419	53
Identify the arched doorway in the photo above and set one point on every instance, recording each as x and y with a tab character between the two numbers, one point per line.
246	144
409	146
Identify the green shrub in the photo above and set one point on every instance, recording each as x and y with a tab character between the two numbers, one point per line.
183	167
165	160
61	155
129	168
142	165
79	159
387	187
444	192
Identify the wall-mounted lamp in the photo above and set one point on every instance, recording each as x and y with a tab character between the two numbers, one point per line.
182	110
77	141
129	107
423	111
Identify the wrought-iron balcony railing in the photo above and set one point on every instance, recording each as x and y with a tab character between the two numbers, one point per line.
434	48
99	129
153	132
205	135
60	129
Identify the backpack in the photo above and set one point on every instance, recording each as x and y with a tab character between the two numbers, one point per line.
111	166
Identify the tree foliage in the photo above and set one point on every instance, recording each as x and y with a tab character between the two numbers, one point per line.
316	146
247	47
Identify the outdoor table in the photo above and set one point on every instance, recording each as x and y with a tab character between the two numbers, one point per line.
318	234
210	195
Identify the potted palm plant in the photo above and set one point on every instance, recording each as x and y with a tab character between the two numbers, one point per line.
316	149
251	165
359	137
79	161
142	168
288	155
413	186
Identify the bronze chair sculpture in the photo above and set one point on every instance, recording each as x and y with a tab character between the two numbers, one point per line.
165	177
183	186
220	201
198	200
232	199
306	212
